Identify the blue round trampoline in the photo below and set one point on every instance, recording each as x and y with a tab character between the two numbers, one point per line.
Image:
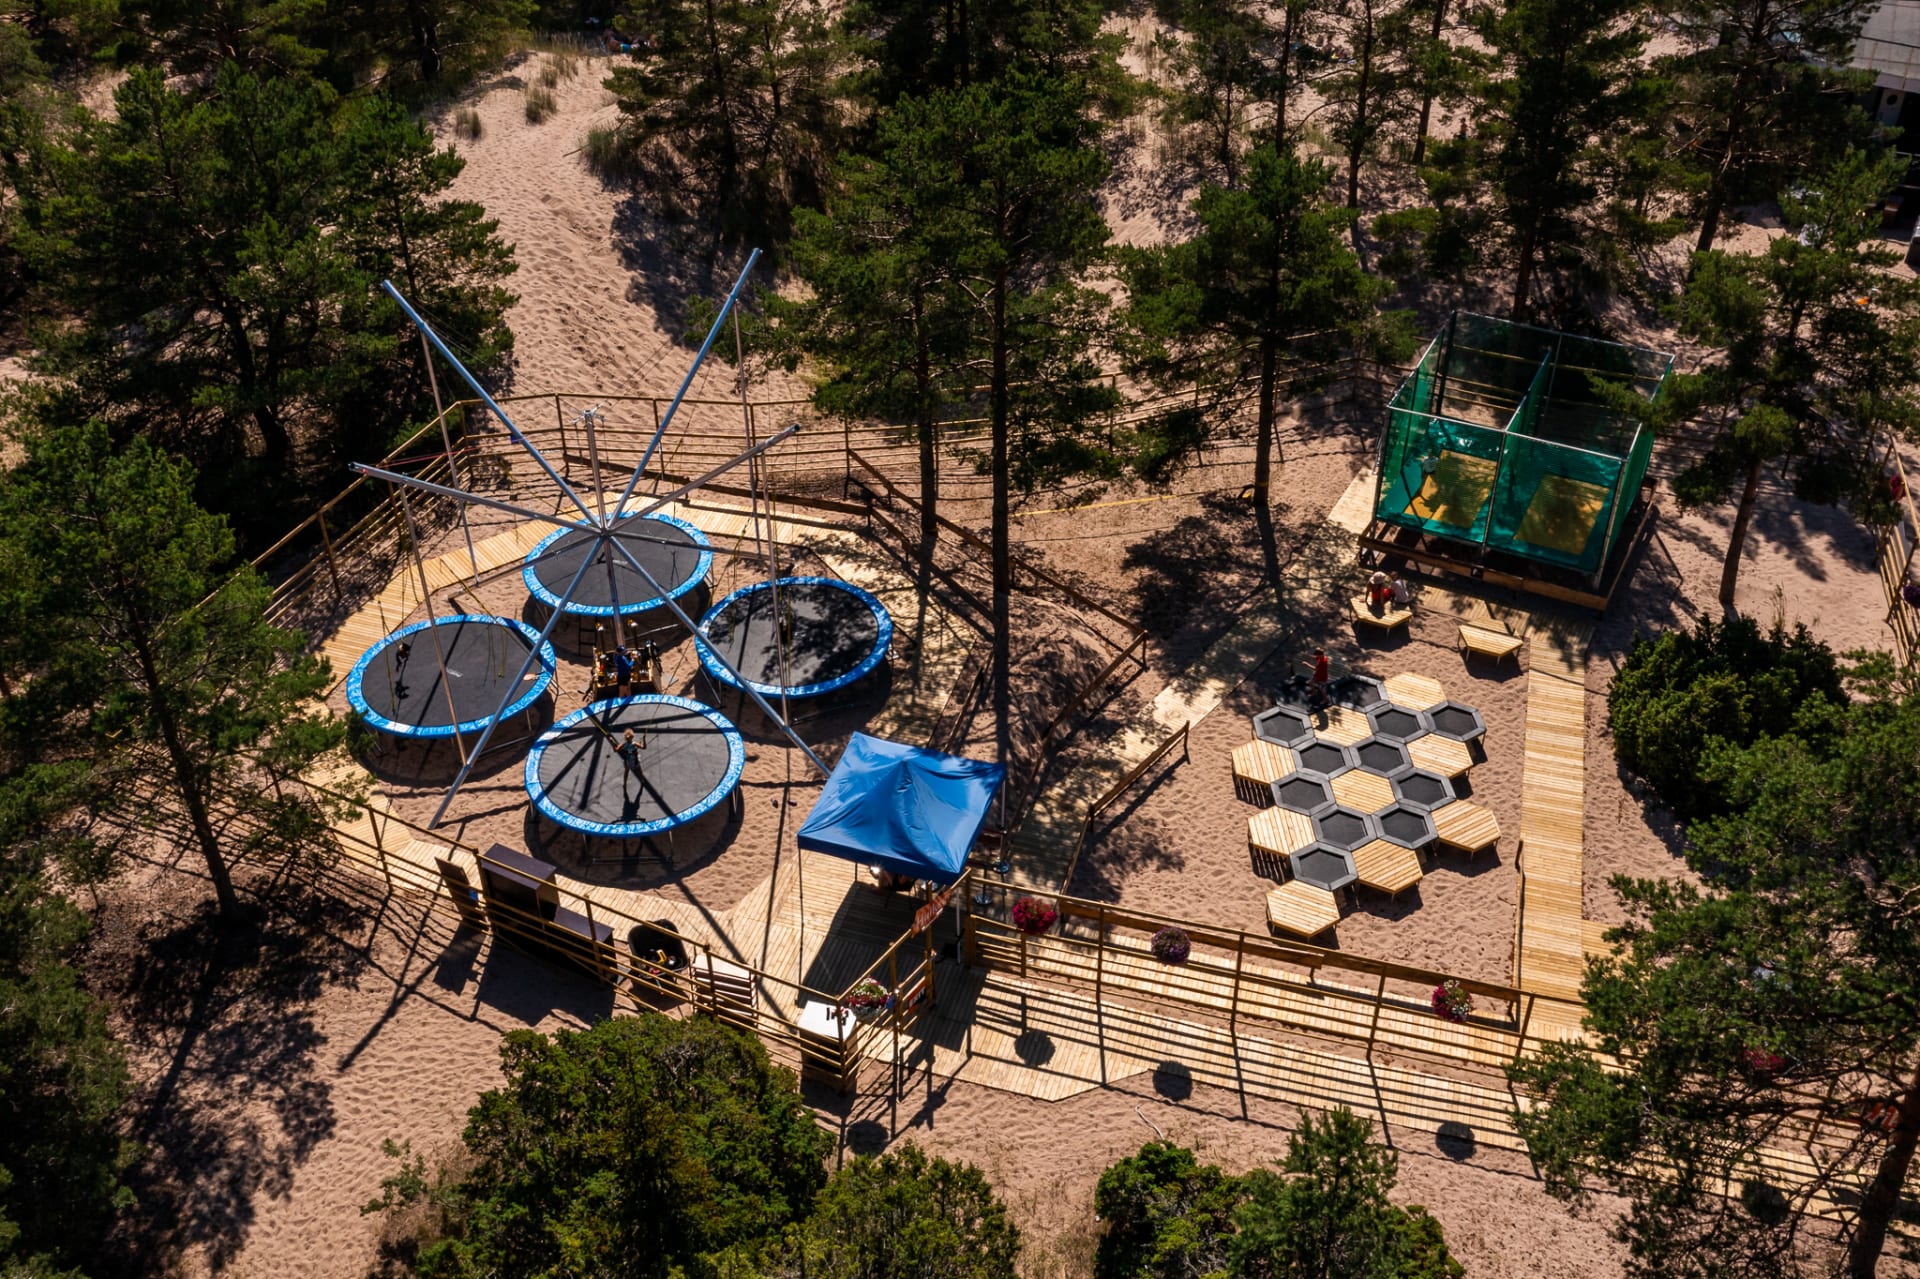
685	760
676	553
822	635
396	686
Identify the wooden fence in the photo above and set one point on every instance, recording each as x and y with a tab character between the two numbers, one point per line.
1893	550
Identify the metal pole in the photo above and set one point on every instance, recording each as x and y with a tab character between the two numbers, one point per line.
513	432
433	625
680	615
686	382
542	517
446	440
533	655
593	460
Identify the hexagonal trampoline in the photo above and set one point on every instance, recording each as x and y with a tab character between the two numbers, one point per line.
1398	723
1302	793
1461	723
1324	758
1362	692
1343	828
1420	789
1284	726
1406	826
1323	867
1380	755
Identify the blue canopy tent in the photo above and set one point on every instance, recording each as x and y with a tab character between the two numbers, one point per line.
910	811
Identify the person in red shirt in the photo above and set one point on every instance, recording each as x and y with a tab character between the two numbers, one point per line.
1322	677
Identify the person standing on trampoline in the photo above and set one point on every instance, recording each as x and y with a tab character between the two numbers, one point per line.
1317	686
623	673
629	751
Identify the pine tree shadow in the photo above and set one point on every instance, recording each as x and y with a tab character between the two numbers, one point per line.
224	1012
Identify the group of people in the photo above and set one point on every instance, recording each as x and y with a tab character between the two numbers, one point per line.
1382	592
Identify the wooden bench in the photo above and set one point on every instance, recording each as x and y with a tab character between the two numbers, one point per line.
1441	755
1301	909
1478	641
1387	867
1257	765
1466	826
1387	619
1273	834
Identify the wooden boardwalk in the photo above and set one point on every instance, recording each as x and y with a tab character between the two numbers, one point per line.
1550	955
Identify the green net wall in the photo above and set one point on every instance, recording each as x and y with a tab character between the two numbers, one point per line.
1520	440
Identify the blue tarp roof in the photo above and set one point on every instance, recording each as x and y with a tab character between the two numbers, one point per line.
914	812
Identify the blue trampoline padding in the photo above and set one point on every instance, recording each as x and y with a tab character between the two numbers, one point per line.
357	678
594	582
911	811
744	598
736	764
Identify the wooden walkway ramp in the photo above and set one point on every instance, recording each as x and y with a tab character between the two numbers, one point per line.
1042	850
1550	955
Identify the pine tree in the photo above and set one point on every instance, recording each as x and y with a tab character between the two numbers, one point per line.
1268	263
219	257
882	322
1019	229
1566	75
915	47
149	656
1816	346
728	112
1770	1008
1762	93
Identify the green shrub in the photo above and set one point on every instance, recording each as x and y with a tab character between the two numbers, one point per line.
1685	695
1166	1214
902	1216
1329	1216
540	104
641	1147
608	155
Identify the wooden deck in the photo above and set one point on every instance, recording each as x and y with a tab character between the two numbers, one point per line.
1551	959
1466	826
1415	692
1257	765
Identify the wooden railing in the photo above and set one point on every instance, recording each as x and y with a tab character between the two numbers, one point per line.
633	980
1893	551
1176	738
1242	976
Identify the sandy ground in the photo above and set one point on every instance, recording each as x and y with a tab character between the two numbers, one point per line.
279	1111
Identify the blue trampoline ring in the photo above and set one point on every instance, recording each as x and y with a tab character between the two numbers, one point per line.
688	760
674	551
836	633
396	687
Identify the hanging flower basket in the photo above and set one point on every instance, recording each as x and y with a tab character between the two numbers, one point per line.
1761	1062
1033	916
1171	945
867	998
1451	1002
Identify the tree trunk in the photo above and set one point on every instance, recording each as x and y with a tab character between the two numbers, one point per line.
1263	437
426	42
1357	141
1882	1199
185	775
1523	275
1287	30
1426	92
1710	217
1730	572
1002	533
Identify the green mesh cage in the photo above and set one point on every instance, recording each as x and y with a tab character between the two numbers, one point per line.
1520	439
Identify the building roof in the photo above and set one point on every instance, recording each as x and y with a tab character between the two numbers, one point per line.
1889	44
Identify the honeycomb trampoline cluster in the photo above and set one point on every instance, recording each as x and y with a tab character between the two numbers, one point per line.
1362	789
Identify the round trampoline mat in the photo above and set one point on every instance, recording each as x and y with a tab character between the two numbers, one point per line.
676	553
690	759
396	686
835	634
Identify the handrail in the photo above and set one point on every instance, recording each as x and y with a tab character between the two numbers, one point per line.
1176	738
